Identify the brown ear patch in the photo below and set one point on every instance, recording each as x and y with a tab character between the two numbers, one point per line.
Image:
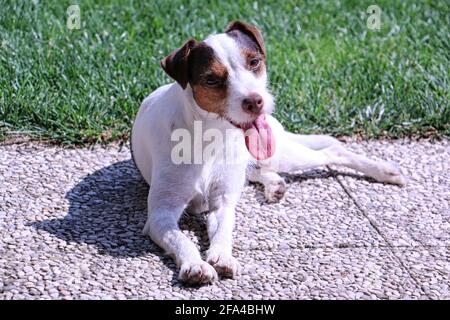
250	31
176	64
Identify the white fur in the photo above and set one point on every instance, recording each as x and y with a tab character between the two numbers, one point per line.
217	186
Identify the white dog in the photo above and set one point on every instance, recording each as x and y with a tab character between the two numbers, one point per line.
221	84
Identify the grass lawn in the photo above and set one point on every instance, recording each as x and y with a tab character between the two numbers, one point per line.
330	73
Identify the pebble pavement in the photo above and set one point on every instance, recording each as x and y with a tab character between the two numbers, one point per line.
71	221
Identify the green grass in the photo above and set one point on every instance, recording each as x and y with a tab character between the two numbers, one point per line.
330	73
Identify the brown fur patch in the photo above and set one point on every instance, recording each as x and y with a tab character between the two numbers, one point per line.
218	69
212	98
249	55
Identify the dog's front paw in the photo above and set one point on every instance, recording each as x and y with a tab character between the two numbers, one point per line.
391	173
197	273
275	190
225	265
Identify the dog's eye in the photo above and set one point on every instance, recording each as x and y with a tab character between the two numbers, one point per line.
212	81
254	63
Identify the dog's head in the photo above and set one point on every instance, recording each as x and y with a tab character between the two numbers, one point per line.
227	73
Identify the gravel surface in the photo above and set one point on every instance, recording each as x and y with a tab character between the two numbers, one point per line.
71	221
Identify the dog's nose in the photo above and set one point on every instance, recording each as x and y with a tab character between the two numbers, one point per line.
253	103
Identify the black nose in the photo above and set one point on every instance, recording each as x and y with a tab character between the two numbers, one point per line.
253	103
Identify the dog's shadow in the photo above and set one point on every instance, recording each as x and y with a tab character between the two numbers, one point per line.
108	209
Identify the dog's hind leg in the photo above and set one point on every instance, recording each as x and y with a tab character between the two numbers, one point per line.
293	156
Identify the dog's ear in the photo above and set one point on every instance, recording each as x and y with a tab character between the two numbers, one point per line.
250	30
176	64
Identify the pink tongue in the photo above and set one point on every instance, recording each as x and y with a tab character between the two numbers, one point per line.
259	138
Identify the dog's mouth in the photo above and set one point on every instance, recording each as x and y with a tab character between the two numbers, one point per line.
259	137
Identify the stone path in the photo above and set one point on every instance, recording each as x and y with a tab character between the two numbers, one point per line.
71	221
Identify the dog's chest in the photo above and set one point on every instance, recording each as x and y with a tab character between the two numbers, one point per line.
217	178
223	159
214	183
212	178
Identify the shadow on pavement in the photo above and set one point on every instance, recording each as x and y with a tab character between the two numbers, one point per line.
108	209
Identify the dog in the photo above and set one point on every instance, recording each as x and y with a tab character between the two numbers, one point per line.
221	84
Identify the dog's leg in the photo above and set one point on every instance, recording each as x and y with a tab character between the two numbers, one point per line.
274	185
382	171
220	226
301	152
293	156
162	227
220	222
